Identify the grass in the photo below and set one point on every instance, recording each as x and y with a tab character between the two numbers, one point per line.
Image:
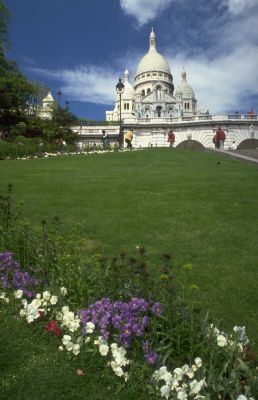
181	202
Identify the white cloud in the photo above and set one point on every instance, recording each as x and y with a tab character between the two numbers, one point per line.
221	83
84	83
236	7
222	76
144	10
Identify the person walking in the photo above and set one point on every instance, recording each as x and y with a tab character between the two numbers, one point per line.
104	138
221	137
129	138
171	138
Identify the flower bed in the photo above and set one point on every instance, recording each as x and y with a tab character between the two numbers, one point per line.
136	331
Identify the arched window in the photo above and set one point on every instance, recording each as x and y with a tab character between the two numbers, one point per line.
143	92
124	106
158	109
148	91
147	112
127	106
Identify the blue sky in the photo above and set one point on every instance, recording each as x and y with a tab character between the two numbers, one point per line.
82	47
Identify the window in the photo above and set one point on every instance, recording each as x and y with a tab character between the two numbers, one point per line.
148	91
143	92
127	106
160	74
148	74
124	106
147	112
158	89
154	74
158	109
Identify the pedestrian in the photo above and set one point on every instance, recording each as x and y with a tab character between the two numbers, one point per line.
171	138
215	141
221	137
129	138
104	138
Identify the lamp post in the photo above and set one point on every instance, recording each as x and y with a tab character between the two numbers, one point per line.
120	88
59	94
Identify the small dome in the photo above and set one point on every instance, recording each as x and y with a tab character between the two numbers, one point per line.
153	60
184	88
128	92
48	98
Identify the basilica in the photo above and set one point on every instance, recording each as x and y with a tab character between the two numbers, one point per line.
151	107
152	94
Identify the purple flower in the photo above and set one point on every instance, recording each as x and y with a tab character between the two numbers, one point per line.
116	321
126	330
157	308
151	357
138	330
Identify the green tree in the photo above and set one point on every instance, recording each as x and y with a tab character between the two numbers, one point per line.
15	89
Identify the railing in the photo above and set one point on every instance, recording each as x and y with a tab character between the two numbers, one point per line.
193	118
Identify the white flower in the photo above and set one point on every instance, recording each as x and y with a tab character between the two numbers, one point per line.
66	339
117	369
38	296
53	300
22	313
61	348
76	349
190	373
221	341
181	395
90	327
103	349
87	340
46	295
198	362
65	309
69	346
242	397
163	374
165	390
63	291
178	373
18	294
196	386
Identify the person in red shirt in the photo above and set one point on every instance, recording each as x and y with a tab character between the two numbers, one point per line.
221	137
171	138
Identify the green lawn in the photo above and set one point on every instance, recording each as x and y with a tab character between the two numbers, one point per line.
181	202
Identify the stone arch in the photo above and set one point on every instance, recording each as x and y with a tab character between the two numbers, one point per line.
248	144
190	144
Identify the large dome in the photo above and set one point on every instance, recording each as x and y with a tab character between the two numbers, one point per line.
153	60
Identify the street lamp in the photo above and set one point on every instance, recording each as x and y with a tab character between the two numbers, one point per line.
59	94
120	88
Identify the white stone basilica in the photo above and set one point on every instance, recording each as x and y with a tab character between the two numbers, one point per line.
152	95
151	107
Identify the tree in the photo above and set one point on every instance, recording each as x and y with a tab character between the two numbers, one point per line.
15	89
